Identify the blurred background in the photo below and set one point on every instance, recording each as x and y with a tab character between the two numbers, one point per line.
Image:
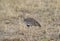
13	12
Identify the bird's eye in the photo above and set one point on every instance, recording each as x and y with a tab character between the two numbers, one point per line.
28	25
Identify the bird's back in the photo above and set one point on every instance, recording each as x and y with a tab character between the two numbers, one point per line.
31	22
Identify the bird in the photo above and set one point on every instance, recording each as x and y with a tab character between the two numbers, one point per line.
31	22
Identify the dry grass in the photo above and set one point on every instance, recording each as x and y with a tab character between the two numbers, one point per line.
46	12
